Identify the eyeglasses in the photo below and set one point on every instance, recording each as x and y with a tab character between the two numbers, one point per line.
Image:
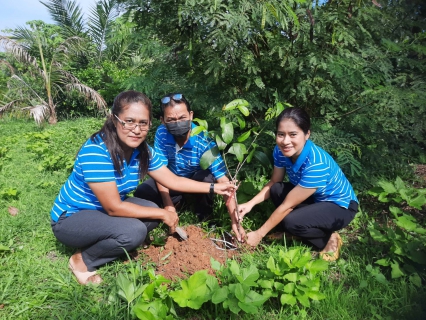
176	97
144	126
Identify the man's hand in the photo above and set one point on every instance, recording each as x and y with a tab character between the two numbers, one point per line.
254	238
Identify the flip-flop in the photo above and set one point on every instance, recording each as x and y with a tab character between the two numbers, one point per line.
330	255
85	277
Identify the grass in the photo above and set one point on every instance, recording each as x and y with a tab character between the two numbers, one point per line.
35	282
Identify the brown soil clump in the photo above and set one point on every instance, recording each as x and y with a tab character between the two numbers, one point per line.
179	259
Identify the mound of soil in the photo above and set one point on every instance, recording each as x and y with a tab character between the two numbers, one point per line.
180	259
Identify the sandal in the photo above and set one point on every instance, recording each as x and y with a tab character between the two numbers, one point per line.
85	277
330	255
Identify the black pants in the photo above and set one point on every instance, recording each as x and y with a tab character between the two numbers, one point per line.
203	206
101	237
313	221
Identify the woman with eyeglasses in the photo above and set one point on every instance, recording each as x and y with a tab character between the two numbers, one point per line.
183	153
92	212
317	201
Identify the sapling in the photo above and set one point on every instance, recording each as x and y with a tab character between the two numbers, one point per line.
234	113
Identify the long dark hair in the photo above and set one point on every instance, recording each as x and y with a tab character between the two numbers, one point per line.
298	115
109	135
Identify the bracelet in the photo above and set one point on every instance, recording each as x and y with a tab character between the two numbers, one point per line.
212	188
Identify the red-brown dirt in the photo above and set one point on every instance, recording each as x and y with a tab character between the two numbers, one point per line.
180	259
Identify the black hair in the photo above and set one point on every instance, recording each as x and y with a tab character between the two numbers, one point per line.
173	102
109	135
298	115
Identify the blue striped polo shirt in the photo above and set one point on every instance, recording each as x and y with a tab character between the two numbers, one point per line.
315	168
94	164
185	161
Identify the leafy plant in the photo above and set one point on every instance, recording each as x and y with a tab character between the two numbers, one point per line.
293	276
236	292
155	302
9	193
405	239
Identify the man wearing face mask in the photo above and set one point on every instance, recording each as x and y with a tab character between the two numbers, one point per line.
183	152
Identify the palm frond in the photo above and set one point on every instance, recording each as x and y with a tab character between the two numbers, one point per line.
89	93
67	15
8	106
38	112
8	65
100	21
18	51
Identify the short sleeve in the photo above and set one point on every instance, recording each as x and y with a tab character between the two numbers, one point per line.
277	155
95	163
159	146
156	160
315	176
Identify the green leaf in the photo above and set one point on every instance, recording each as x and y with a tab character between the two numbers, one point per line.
395	211
388	186
220	295
222	145
396	271
376	235
417	202
241	121
232	304
317	266
234	104
399	184
244	136
227	130
416	280
383	262
304	300
4	248
215	264
293	276
244	110
381	278
250	275
248	308
194	291
288	299
209	157
265	284
315	295
201	123
406	223
234	268
239	150
262	158
254	298
197	130
240	292
289	287
375	191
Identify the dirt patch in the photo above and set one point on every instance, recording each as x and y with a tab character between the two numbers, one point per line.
420	171
180	259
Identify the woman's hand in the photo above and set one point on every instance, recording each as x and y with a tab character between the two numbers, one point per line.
239	231
225	188
254	238
171	219
243	210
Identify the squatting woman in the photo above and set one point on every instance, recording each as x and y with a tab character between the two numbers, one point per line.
318	200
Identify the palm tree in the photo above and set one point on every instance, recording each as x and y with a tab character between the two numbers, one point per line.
51	70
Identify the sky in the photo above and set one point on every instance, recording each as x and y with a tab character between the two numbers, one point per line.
14	13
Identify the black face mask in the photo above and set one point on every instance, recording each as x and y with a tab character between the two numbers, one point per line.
179	129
